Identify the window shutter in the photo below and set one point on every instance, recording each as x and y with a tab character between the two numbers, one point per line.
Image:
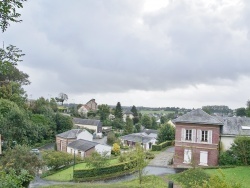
193	135
210	141
183	131
198	135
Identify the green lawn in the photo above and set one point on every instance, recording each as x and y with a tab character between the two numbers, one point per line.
67	174
148	182
239	174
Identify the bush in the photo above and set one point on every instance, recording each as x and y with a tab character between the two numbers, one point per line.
116	149
162	145
149	155
86	174
228	158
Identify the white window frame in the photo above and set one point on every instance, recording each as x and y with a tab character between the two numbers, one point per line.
192	135
187	157
203	158
209	136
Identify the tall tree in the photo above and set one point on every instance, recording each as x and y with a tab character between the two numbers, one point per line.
62	97
103	111
8	12
241	112
118	111
129	127
134	111
146	121
154	123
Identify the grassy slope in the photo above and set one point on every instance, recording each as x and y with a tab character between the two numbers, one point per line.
67	174
148	182
239	174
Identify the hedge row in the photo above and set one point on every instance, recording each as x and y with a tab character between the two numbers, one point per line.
162	145
93	172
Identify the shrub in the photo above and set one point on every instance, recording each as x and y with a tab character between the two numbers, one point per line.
149	155
116	149
162	145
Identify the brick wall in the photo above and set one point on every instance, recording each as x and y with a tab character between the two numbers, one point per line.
196	147
61	143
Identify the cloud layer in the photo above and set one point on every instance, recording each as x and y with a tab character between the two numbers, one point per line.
90	47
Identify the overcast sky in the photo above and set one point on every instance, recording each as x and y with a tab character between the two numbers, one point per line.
157	53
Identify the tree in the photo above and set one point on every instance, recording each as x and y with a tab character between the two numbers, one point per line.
134	111
118	111
241	112
116	149
103	111
129	126
248	109
166	132
97	160
20	158
154	123
56	159
146	121
63	123
62	97
111	138
8	12
53	104
140	161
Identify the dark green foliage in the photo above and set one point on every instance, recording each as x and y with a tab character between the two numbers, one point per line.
154	123
146	121
103	111
162	145
166	132
137	127
134	111
117	124
57	159
97	160
87	174
14	180
62	97
241	112
128	127
192	177
112	138
63	123
20	158
118	111
91	114
9	12
228	158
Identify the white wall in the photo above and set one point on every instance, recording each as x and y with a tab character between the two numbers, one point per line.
71	151
226	142
100	148
85	135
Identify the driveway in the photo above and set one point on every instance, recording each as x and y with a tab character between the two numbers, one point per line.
162	159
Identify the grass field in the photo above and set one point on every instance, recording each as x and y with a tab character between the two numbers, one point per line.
239	174
148	182
67	174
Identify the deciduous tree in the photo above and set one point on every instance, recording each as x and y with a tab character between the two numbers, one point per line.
166	132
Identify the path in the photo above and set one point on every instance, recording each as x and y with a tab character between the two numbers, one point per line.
162	159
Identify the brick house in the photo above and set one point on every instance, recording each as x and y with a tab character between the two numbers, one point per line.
65	138
197	139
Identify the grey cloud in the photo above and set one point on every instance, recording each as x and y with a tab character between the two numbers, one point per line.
99	46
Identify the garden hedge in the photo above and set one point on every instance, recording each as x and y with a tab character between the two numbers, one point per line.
86	174
162	145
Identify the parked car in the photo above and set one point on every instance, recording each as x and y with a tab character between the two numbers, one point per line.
35	151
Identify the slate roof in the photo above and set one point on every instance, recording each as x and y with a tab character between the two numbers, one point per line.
83	145
148	131
233	126
70	134
87	121
137	137
198	116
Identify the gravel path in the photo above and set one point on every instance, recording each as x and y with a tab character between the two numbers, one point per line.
162	159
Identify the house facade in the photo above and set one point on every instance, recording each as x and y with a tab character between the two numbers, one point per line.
197	139
85	148
92	124
65	138
126	115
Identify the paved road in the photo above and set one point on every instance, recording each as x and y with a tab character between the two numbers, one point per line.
162	159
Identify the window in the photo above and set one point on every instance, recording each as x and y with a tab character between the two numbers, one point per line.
188	135
204	136
187	156
203	158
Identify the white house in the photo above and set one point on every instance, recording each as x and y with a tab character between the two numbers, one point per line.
141	138
84	148
85	135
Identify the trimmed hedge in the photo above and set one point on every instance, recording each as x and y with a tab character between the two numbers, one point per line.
162	145
87	174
